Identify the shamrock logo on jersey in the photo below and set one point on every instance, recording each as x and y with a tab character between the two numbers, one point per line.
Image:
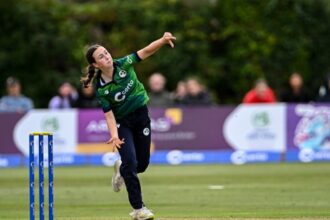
146	131
122	73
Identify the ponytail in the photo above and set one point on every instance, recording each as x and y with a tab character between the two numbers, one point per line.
90	75
86	81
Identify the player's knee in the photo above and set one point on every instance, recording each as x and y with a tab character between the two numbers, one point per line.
142	167
128	166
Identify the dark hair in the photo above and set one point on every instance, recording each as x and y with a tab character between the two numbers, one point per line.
88	78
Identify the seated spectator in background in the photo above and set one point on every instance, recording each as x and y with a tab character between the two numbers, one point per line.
180	93
295	92
261	93
66	98
159	97
196	94
87	98
324	91
15	101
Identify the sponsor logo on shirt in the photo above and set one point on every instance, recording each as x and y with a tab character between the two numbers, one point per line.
120	96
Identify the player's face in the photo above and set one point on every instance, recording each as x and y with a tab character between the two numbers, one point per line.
102	58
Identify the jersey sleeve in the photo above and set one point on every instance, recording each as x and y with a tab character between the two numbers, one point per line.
129	60
105	104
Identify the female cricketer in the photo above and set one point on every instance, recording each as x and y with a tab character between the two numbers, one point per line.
124	102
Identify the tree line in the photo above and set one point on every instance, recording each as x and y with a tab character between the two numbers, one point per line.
226	43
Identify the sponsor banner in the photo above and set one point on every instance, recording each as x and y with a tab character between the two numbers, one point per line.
63	160
176	157
7	124
173	157
8	160
106	159
244	157
257	128
62	124
308	127
189	129
308	156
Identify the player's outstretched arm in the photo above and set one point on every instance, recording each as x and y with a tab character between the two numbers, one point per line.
167	38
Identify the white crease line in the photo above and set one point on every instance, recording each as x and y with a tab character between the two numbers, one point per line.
216	187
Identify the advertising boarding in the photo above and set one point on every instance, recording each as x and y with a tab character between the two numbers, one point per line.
308	133
227	134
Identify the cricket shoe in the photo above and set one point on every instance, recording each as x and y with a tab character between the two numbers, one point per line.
117	179
142	214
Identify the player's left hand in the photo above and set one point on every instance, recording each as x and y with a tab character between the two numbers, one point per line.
168	38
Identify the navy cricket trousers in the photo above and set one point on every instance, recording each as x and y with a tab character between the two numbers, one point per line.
135	152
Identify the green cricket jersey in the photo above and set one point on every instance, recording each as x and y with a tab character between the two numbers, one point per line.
125	93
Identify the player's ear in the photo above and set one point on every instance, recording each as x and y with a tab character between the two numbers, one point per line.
96	65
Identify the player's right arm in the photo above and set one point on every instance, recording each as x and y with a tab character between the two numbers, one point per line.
144	53
149	50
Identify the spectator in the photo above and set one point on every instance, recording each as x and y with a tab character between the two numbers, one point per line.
324	91
261	93
295	92
159	97
180	93
15	101
196	94
87	98
66	98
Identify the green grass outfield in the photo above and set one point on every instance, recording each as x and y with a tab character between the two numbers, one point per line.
263	191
